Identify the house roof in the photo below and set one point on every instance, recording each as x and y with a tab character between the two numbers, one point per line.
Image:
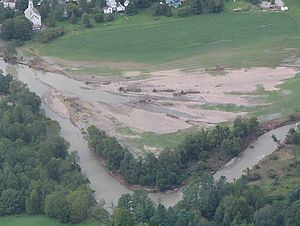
35	11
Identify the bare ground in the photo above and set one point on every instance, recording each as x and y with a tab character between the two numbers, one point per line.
163	101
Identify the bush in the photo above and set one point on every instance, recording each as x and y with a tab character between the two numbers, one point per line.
272	174
99	17
73	18
274	156
109	17
168	11
86	20
254	176
16	28
49	35
131	9
158	9
10	53
184	11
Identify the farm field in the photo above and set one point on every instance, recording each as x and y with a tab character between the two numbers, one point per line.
252	38
24	220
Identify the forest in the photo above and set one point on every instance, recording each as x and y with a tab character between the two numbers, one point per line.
212	203
172	167
37	174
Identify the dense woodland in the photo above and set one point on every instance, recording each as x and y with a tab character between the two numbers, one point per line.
212	203
37	175
172	167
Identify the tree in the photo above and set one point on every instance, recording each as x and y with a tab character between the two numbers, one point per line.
122	217
22	28
202	194
72	7
78	203
44	9
99	17
7	29
99	213
292	216
33	203
10	53
231	209
197	6
160	217
21	5
168	11
268	215
11	202
73	18
231	147
17	28
86	20
52	20
131	9
56	206
5	83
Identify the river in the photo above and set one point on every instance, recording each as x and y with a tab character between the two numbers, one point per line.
105	186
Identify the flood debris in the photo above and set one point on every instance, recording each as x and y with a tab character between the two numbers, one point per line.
172	116
131	89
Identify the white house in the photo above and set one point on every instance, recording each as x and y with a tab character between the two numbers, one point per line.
8	3
107	10
112	4
120	8
34	16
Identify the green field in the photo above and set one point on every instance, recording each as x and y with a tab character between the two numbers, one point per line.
23	220
252	38
285	173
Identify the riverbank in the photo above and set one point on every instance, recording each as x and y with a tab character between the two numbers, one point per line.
83	112
112	189
214	162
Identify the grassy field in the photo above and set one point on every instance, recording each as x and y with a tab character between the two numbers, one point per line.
24	220
278	172
252	39
284	101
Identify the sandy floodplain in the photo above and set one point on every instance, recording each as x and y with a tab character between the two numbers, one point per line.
169	101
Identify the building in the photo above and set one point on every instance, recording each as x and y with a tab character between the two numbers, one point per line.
174	3
113	6
120	8
34	16
107	10
9	3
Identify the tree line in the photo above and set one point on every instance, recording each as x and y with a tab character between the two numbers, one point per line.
210	203
37	174
171	167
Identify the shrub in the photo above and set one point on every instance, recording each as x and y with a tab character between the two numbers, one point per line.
274	156
73	18
184	11
158	9
131	9
272	174
109	17
254	176
168	11
49	35
86	20
99	17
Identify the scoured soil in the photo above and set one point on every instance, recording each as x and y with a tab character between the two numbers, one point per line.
165	101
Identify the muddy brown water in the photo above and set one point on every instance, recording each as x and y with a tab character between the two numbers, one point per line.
105	186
